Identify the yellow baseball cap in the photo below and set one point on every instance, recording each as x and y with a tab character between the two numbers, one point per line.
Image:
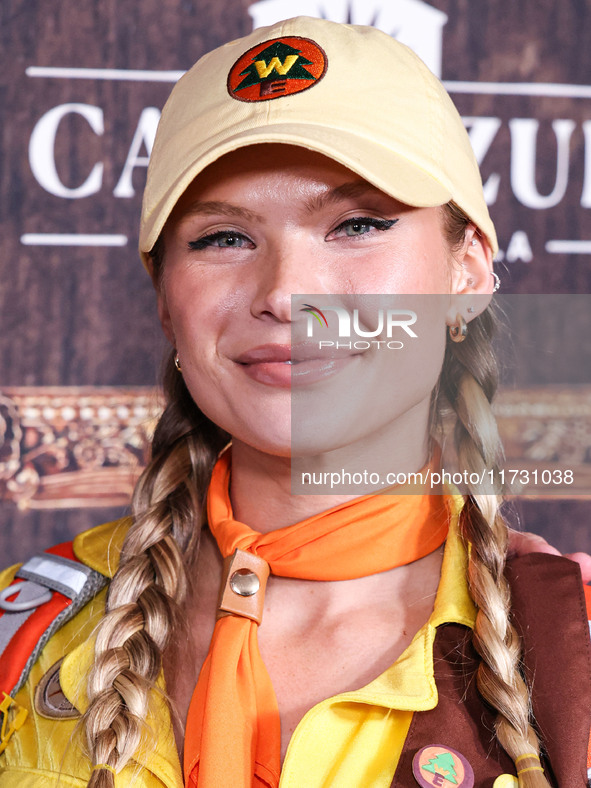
352	93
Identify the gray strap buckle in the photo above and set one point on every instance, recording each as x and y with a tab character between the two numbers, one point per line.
42	575
30	595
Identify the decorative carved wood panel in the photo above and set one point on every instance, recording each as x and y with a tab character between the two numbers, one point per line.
74	447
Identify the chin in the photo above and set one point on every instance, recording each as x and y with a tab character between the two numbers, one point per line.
267	436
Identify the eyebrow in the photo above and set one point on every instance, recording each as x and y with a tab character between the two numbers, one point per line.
345	191
213	207
356	188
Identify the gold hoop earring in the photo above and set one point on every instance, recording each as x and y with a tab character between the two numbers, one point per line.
177	362
459	331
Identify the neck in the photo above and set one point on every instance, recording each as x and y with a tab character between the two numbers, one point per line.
261	483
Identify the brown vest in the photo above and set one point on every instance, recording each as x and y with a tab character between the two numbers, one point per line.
550	614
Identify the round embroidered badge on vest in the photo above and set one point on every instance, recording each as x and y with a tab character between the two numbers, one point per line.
443	767
50	700
275	68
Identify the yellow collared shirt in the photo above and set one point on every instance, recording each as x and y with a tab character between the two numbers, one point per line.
353	739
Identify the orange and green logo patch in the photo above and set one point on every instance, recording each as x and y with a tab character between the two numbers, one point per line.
437	765
275	68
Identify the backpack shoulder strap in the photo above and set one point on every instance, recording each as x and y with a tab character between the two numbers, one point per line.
47	590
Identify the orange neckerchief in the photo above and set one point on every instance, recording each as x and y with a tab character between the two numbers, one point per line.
232	737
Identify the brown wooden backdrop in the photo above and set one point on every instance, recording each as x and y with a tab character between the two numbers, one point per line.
83	317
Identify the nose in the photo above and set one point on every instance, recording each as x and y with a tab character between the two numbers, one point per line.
294	269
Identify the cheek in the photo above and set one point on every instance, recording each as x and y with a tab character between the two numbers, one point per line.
197	305
430	272
203	335
410	374
195	325
413	268
202	372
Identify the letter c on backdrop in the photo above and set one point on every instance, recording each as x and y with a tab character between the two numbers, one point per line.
42	151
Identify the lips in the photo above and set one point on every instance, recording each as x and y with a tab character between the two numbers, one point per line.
268	364
266	354
286	366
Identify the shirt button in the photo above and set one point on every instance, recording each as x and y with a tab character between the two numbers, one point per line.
244	582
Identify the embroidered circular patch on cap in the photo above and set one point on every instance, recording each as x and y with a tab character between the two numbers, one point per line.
275	68
443	767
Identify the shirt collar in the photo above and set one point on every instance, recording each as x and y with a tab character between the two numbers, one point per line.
100	547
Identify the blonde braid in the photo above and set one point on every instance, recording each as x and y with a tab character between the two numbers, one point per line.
469	380
151	580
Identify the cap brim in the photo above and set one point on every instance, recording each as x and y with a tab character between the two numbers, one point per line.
389	171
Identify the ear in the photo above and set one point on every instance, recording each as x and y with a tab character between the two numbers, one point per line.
162	306
472	279
163	312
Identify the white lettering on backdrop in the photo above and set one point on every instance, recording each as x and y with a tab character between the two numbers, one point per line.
417	24
42	151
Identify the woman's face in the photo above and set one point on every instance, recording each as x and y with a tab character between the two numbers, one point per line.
271	221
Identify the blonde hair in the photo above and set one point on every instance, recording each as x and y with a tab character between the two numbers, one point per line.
150	585
468	382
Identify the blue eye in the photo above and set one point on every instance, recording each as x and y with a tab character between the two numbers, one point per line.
222	239
363	225
357	228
